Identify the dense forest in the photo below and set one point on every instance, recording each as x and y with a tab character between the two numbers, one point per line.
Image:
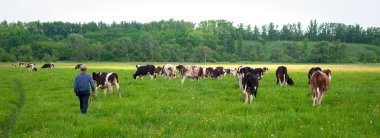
183	41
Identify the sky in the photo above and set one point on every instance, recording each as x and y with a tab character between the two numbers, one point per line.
254	12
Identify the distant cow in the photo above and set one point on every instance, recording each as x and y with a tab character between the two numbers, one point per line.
145	70
259	72
169	72
49	65
31	67
209	71
319	84
14	65
231	71
328	73
78	66
283	77
20	64
106	80
250	83
218	72
265	69
311	71
158	70
194	72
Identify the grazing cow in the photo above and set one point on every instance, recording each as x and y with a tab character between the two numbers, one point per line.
328	73
283	77
49	65
250	83
78	66
241	71
231	71
194	72
209	72
158	70
311	71
31	67
106	80
14	65
218	72
259	72
319	84
169	72
265	69
20	64
145	70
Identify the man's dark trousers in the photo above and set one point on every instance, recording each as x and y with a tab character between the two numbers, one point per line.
83	100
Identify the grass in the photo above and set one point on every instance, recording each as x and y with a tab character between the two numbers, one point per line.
208	108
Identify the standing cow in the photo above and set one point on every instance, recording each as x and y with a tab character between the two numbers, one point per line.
283	77
169	72
194	72
78	66
319	84
218	73
31	67
105	80
250	83
48	65
231	71
209	71
328	73
145	70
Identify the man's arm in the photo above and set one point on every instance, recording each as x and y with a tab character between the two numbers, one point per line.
76	84
92	84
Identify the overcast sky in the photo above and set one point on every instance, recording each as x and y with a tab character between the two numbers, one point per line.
255	12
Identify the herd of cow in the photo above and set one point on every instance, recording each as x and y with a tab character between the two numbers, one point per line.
248	77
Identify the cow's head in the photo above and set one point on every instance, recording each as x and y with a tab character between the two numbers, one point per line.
180	69
95	76
158	70
290	81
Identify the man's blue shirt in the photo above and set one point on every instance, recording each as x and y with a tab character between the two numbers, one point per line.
83	82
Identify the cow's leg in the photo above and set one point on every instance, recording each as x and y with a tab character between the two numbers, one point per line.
109	85
105	91
96	89
183	79
320	98
285	82
118	88
245	94
314	95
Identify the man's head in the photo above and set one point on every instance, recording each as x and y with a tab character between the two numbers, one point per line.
83	68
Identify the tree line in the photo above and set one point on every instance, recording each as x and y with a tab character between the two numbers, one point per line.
181	41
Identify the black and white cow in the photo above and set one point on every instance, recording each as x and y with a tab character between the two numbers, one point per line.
265	69
20	64
194	72
241	71
250	83
231	71
78	66
158	71
14	65
145	70
105	80
283	77
169	72
31	67
209	71
218	72
48	65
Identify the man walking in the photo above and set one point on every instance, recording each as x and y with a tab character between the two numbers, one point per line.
82	88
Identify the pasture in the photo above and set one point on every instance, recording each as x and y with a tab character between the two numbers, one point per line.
43	104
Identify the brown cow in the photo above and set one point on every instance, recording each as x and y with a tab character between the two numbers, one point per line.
319	84
194	72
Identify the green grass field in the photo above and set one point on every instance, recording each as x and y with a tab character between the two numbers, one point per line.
42	104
